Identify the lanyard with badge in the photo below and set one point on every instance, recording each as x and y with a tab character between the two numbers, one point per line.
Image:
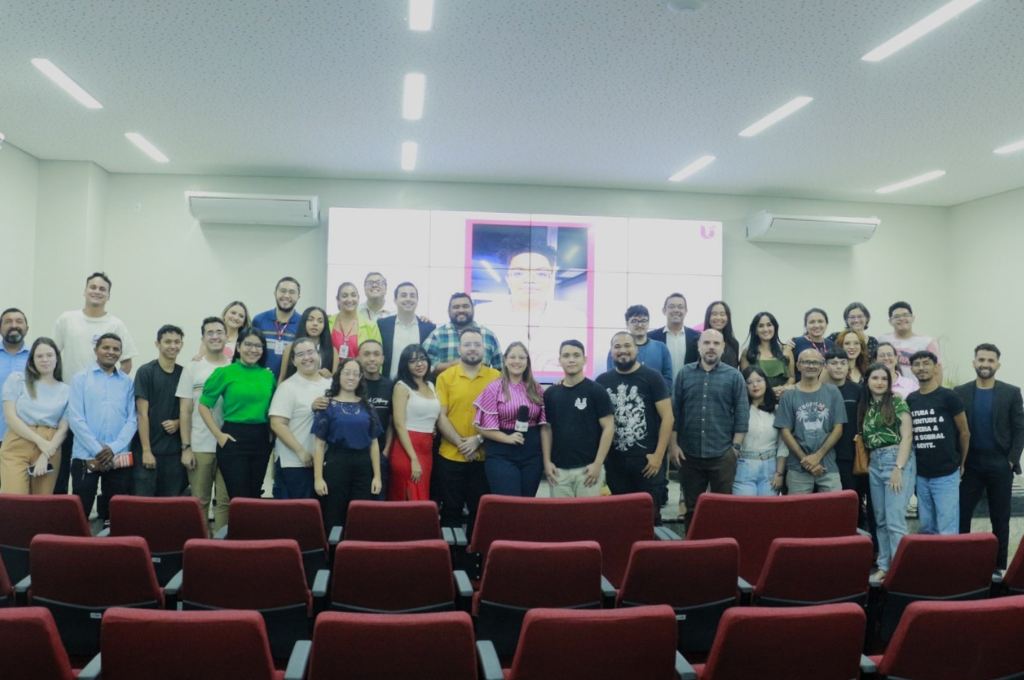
279	344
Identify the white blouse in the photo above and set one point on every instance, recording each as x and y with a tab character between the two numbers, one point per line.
421	413
762	435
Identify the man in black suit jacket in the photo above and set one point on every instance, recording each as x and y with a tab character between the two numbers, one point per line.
995	416
674	310
407	297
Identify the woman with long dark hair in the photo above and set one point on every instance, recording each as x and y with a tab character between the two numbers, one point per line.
885	426
761	464
346	458
766	351
312	325
415	409
719	317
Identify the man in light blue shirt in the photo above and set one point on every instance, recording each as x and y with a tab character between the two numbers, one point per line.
13	354
101	413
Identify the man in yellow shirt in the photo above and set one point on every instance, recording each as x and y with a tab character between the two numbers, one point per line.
459	469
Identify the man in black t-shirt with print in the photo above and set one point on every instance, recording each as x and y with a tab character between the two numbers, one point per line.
378	394
582	427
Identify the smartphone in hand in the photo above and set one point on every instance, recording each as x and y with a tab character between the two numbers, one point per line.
49	469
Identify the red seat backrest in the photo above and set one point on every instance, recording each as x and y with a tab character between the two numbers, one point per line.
942	566
610	644
756	521
255	519
392	522
528	574
821	642
165	523
957	640
438	645
170	645
846	559
681	573
392	576
24	517
31	646
93	572
615	522
244	574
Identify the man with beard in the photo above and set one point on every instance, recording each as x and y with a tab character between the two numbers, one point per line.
157	448
280	324
459	469
643	422
14	356
995	417
712	416
442	346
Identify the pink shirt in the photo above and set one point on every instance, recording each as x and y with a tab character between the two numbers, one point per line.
495	412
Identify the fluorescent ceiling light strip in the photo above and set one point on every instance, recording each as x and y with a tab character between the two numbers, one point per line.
413	94
421	15
692	168
913	181
1010	148
777	115
64	81
146	147
409	152
920	29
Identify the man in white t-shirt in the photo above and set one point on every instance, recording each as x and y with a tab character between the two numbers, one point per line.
198	445
906	341
291	419
75	334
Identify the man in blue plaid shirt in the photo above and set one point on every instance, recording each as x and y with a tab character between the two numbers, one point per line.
442	346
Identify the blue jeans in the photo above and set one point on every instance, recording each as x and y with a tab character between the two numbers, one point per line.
938	504
515	469
754	477
890	507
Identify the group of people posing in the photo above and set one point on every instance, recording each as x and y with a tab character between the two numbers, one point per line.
378	402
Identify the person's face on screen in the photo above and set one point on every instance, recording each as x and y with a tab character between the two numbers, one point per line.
471	349
108	353
348	299
719	317
623	351
375	287
97	292
460	312
287	296
765	329
675	311
710	347
371	356
572	360
530	277
986	363
406	298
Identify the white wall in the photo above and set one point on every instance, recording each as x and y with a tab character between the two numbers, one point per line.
19	180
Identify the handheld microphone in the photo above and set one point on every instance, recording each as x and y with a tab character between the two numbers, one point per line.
523	419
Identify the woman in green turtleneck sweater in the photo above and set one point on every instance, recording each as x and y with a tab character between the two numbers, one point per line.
244	389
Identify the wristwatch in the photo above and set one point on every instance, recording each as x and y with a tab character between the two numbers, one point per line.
735	446
186	447
900	467
479	439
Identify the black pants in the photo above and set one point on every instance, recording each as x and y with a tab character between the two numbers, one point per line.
64	473
698	475
988	472
169	478
459	485
243	462
348	474
860	484
625	474
84	484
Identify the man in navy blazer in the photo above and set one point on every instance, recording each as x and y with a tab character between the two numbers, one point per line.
402	329
995	417
681	341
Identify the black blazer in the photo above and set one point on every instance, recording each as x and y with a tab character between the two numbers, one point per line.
387	339
692	337
1007	417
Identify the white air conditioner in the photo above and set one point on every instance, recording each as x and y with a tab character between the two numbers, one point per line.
219	208
806	230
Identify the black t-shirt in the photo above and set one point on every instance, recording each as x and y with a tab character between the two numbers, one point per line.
158	387
378	394
936	438
851	397
574	414
637	421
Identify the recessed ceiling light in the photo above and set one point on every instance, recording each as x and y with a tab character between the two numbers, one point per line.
921	28
147	147
412	97
913	181
777	115
64	81
692	168
421	15
1010	148
409	153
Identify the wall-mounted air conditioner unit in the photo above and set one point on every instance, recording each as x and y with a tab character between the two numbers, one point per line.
219	208
806	230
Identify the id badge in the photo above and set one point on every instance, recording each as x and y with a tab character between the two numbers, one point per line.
279	346
343	350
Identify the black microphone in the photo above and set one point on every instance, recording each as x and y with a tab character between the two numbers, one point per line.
523	419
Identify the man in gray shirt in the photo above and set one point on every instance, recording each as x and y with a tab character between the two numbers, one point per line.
811	418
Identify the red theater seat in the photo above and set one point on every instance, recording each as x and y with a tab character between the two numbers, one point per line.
165	523
806	571
30	647
393	522
24	517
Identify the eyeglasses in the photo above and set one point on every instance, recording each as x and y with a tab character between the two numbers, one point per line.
812	364
755	381
541	274
376	283
350	374
418	360
252	345
639	322
214	334
856	317
900	317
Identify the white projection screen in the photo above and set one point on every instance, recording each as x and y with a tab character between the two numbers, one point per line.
540	279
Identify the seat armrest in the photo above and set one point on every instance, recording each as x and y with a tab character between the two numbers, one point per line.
92	669
608	592
298	661
463	587
334	538
874	583
746	591
861	532
666	534
23	586
487	658
173	586
997	579
461	540
867	666
449	536
683	668
320	581
104	534
222	533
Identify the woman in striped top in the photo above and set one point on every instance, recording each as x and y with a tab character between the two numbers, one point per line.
509	414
